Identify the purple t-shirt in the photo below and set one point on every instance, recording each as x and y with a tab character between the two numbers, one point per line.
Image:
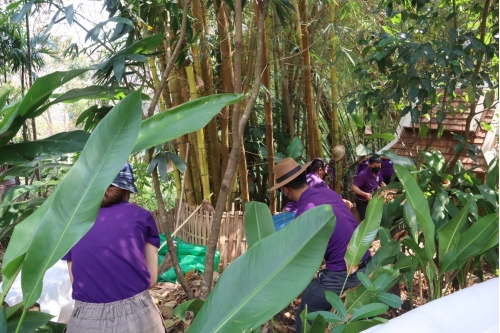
109	263
367	182
313	180
346	224
387	170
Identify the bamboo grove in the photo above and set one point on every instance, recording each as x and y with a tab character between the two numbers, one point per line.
300	94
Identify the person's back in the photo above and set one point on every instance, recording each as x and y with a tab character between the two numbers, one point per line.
113	266
344	228
108	262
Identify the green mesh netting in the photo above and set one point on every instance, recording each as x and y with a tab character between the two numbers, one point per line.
191	257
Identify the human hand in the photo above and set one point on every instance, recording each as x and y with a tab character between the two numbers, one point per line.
348	204
368	196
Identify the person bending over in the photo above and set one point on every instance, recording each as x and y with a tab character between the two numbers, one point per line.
113	266
291	180
366	182
315	175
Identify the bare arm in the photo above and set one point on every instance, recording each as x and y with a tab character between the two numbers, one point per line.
151	253
70	266
357	190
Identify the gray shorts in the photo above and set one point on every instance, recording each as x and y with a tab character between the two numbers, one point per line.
132	315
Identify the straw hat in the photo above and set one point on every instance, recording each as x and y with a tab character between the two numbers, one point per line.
286	171
338	152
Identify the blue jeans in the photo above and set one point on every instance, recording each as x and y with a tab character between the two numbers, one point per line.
314	295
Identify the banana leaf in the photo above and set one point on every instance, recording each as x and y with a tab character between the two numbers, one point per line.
258	222
58	144
76	203
185	118
471	243
417	200
268	276
364	235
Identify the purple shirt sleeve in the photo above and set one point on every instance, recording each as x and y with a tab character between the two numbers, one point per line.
67	256
152	235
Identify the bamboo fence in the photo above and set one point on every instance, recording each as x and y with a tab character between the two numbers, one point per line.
232	242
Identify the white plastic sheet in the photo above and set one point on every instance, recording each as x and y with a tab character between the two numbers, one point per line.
56	293
474	309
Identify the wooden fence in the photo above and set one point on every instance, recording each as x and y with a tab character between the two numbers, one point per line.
232	241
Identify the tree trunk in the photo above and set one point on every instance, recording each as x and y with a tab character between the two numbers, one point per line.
284	85
237	131
200	138
306	62
181	141
335	110
268	109
227	76
213	149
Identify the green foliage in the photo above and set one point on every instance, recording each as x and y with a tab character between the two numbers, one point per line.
85	184
270	281
54	146
182	119
193	305
364	235
258	222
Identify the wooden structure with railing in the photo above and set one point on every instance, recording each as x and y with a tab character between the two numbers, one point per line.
232	241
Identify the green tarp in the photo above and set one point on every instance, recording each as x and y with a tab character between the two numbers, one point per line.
191	257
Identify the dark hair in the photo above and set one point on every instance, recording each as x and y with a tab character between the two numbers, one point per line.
316	164
114	195
298	182
374	159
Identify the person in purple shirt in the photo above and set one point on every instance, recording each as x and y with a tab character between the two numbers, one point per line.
366	182
315	175
387	170
113	266
291	180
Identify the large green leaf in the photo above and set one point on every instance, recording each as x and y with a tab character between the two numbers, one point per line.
410	218
396	159
383	136
294	148
492	174
38	94
79	195
359	296
470	243
58	144
258	222
369	310
17	192
32	321
43	87
4	94
417	200
268	276
449	235
7	116
185	118
91	92
364	235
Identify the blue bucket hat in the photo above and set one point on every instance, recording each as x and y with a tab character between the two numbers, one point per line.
125	179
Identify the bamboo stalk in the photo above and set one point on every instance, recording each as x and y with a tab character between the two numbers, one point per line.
266	82
335	110
306	62
200	138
